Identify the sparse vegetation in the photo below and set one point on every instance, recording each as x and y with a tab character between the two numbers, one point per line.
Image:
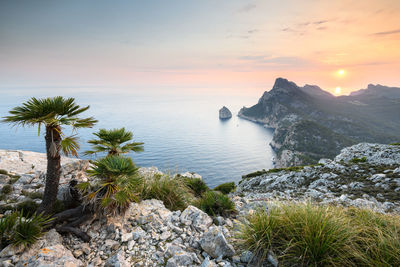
395	144
3	172
226	188
215	203
358	160
171	191
7	189
197	185
262	172
304	234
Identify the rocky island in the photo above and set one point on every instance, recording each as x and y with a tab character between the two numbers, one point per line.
225	113
310	123
150	234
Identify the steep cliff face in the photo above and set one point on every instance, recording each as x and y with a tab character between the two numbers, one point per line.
311	123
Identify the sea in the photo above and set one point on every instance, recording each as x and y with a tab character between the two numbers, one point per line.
181	132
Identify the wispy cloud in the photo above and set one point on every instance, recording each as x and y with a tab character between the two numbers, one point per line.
397	31
248	7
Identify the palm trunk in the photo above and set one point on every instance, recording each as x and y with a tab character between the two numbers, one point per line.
53	140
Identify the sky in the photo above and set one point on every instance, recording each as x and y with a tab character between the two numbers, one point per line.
224	46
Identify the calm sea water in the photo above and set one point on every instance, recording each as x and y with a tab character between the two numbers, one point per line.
181	133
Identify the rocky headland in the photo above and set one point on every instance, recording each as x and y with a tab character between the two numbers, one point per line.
310	123
149	234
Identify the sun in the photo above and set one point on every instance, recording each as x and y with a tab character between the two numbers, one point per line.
341	72
338	90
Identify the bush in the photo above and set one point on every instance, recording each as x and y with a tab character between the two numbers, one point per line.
311	235
171	191
215	203
197	185
3	172
19	230
226	188
116	185
7	189
395	144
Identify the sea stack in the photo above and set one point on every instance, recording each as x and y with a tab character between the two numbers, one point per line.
225	113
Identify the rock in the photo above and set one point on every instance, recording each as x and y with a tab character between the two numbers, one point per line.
56	256
225	113
246	256
177	256
117	260
191	175
196	217
208	263
11	250
215	244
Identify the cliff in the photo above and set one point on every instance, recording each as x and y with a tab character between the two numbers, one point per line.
311	124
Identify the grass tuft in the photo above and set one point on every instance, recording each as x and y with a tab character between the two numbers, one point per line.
197	185
226	188
215	203
171	191
7	189
303	234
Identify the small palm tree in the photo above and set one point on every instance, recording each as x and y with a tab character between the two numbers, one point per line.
112	142
53	113
115	186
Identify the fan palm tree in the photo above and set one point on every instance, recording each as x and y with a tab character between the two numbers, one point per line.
115	187
114	142
52	113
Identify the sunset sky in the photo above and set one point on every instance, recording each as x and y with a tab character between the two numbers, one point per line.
225	46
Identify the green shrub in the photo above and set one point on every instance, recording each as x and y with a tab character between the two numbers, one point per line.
29	229
215	203
116	185
171	191
226	188
303	234
18	229
7	189
262	172
395	144
359	160
7	224
28	207
197	185
3	172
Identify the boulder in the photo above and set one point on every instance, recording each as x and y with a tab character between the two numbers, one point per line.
215	244
196	217
56	256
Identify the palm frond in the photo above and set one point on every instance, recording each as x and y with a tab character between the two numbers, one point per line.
70	146
112	141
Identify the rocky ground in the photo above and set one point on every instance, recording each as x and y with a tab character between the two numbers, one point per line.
363	175
148	234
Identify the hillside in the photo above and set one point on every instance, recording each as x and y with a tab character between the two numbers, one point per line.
149	234
311	124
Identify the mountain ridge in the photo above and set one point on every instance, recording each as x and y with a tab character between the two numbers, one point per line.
333	122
